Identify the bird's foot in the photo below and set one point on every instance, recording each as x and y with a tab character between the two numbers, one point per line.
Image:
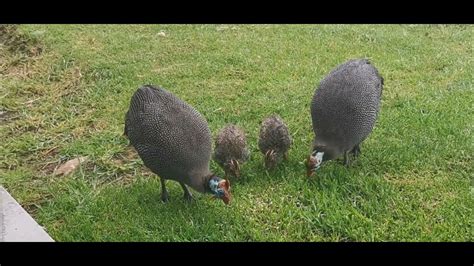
164	196
347	161
188	197
356	151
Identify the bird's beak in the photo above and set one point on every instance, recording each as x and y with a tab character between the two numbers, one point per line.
226	186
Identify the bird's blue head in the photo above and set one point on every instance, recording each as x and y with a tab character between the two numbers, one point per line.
220	188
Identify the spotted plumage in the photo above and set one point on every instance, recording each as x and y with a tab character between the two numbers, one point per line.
171	137
344	108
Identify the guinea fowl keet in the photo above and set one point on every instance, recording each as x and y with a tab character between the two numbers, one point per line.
274	141
231	149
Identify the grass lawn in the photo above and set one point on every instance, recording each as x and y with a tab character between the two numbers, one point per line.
64	93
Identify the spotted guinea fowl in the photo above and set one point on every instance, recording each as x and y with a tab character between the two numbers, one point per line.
231	149
274	140
174	141
343	110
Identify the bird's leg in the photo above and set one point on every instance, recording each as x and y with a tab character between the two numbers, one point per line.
187	194
356	150
237	169
346	159
164	193
285	156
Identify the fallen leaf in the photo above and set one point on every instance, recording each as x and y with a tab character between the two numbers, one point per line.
38	33
221	28
69	166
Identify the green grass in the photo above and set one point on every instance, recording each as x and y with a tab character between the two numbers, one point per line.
413	181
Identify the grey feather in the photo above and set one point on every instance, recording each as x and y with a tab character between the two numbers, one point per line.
345	107
171	137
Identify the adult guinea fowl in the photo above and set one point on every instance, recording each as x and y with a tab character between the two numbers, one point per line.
274	140
231	149
343	110
174	141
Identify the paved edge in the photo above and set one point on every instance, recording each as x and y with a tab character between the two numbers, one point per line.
16	225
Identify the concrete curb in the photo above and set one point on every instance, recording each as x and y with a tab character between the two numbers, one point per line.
16	225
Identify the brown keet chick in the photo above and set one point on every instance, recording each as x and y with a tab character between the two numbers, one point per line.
274	140
231	149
